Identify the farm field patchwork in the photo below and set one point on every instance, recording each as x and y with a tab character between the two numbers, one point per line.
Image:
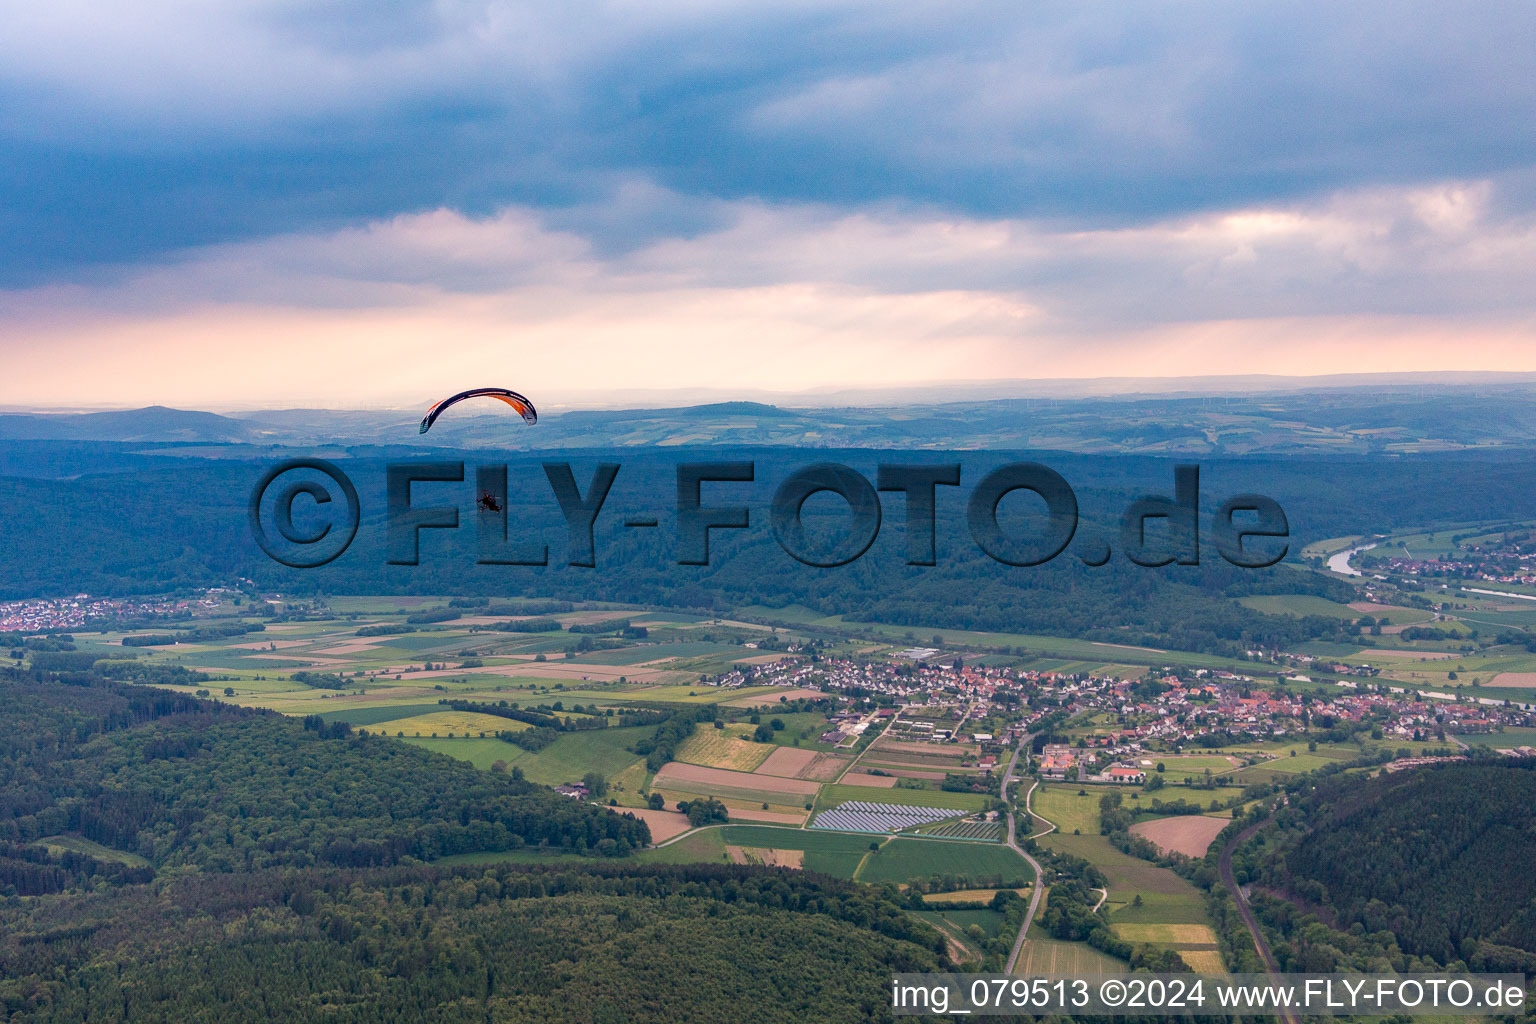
1175	921
717	782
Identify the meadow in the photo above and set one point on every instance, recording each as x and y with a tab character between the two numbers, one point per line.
899	860
1062	807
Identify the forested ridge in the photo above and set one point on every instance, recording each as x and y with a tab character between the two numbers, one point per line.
183	782
1434	861
605	944
256	868
200	536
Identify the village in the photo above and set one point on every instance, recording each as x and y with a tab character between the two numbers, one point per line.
51	614
1116	721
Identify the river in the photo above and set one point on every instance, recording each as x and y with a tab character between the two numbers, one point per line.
1339	563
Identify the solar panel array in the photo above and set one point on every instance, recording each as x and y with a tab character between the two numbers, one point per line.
861	816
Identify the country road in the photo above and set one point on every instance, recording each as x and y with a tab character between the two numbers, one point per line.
1286	1015
1013	842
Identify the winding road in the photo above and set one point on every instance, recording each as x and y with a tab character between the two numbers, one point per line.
1013	843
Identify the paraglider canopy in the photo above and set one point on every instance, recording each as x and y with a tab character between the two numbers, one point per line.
524	407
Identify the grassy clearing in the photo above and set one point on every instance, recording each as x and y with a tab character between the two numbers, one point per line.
1159	908
804	726
605	751
480	753
900	860
1298	605
705	846
445	723
75	844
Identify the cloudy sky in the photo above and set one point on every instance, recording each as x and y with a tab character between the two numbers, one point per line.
360	203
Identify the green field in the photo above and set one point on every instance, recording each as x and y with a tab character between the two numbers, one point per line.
1298	605
480	753
605	751
1501	740
705	846
1126	875
1159	908
566	760
832	853
1062	807
900	860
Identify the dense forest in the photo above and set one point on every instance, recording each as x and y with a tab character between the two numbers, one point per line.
1434	862
185	783
604	945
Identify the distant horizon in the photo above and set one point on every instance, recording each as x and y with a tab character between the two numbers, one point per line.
936	393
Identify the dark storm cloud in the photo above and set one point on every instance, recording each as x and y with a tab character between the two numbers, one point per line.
131	135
